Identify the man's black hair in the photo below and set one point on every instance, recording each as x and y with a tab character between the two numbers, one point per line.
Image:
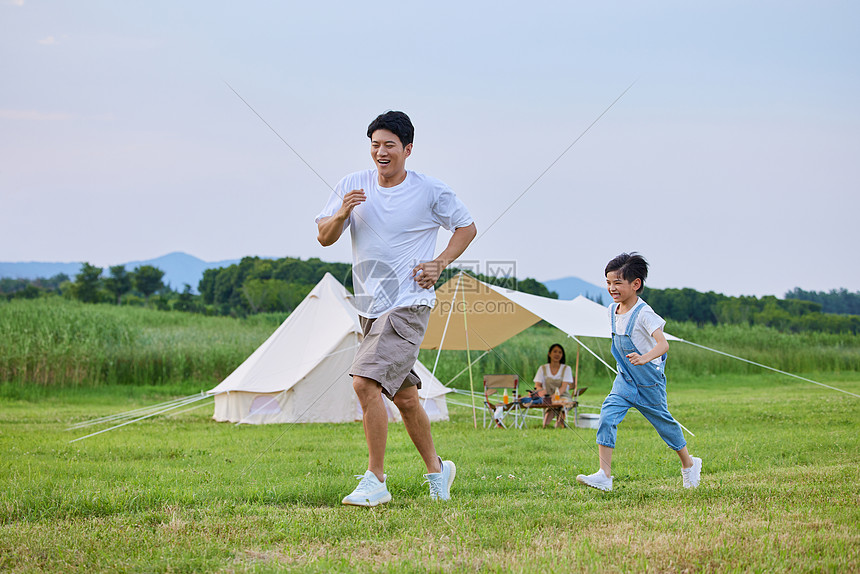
397	123
553	346
630	266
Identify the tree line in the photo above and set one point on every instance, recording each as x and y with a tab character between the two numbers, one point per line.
791	314
254	285
257	285
142	286
835	301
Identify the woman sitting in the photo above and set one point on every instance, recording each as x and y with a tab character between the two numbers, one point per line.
554	376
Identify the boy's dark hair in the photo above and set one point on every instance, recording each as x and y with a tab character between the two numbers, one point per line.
630	266
397	123
553	346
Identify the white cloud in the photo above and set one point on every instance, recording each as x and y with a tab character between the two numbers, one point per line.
33	115
49	41
16	2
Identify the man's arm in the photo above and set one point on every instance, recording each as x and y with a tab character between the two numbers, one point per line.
331	228
426	274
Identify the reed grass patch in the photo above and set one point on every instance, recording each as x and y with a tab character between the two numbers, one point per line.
55	342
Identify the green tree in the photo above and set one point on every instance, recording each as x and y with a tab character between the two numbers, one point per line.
148	280
835	301
88	283
185	301
119	282
29	291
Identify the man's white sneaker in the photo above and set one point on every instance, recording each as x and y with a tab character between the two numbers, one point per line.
598	480
440	482
693	474
369	492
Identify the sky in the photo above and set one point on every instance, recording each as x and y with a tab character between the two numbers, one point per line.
730	161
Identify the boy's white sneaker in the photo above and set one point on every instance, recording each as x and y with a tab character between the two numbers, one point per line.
693	474
598	480
369	492
440	482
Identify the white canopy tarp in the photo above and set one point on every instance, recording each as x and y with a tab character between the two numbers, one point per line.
494	315
301	372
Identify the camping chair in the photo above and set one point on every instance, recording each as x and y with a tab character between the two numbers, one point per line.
499	411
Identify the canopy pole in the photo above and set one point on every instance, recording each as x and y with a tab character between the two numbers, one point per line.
447	320
445	330
576	375
469	360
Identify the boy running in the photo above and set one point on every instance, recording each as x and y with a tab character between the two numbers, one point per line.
639	347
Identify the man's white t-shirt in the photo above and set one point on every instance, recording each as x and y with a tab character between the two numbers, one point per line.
393	231
646	323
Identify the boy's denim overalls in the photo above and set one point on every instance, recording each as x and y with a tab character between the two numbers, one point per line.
640	386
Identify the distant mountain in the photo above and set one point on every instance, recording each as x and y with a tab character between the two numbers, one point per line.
179	268
571	287
35	270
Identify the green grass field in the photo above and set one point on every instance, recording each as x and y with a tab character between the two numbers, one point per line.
780	490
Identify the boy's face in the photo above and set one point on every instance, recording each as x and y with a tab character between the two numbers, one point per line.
620	289
388	154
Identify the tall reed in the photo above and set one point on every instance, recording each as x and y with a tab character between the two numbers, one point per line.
58	342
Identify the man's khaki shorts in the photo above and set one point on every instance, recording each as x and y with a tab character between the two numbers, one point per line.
390	348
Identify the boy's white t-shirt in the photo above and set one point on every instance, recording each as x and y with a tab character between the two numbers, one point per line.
646	323
393	231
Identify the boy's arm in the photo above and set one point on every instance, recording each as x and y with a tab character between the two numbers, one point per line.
659	349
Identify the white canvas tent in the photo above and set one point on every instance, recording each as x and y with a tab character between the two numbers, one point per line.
301	372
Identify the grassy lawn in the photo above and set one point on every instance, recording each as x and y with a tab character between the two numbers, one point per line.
780	490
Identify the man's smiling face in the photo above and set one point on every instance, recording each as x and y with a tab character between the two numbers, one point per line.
389	155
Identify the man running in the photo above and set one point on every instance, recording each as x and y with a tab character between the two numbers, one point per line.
394	215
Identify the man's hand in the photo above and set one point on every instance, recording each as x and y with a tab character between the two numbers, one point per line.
350	201
426	274
331	228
